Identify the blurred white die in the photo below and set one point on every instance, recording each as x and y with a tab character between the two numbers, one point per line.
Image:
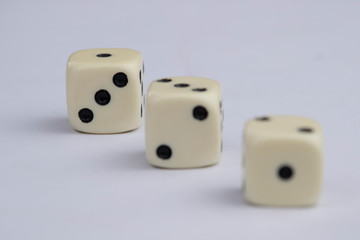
183	122
104	90
283	157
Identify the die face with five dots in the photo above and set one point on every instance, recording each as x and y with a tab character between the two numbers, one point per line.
283	159
183	122
104	90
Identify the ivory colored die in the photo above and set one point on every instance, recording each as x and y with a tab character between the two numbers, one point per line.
283	158
183	122
104	90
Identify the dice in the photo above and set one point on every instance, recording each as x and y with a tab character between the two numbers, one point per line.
104	90
183	122
283	158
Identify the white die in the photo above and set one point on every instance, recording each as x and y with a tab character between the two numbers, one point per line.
183	122
104	90
283	158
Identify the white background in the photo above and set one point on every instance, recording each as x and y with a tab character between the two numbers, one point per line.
271	57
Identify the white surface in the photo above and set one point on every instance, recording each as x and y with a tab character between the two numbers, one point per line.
271	57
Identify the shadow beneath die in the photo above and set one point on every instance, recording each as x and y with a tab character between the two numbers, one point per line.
233	196
53	125
130	159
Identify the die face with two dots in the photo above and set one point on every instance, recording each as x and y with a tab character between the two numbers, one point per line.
183	122
283	158
104	90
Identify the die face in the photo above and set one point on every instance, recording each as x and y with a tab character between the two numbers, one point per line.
185	87
182	125
282	172
283	126
106	56
283	163
104	97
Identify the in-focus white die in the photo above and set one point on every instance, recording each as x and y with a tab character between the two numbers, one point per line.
283	157
183	122
104	90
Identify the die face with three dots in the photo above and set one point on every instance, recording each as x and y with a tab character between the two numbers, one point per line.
283	158
183	122
104	90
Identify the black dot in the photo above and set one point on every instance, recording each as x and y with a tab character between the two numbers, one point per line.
181	85
200	113
141	111
102	97
165	80
164	152
142	89
264	119
305	130
120	79
199	89
104	55
140	76
285	172
86	115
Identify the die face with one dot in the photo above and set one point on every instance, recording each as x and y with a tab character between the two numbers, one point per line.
104	90
283	158
183	122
